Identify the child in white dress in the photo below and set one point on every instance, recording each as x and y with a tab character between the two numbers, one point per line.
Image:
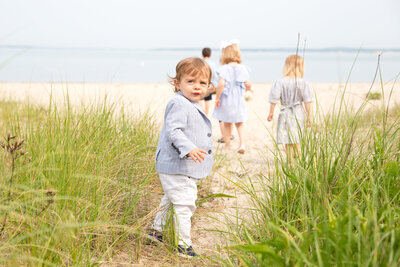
230	106
291	91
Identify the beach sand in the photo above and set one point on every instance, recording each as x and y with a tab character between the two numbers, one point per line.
139	97
154	96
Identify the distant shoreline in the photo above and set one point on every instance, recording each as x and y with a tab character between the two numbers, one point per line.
244	49
41	64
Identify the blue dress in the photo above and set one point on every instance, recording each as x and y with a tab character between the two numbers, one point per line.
232	106
291	93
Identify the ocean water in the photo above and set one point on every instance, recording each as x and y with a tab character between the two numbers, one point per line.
130	65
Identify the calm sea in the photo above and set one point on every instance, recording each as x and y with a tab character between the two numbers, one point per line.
127	65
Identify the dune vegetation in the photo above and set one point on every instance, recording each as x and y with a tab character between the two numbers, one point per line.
337	204
74	183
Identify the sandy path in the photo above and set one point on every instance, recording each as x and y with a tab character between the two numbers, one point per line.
140	97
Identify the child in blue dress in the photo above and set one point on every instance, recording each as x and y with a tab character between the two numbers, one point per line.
230	106
184	151
291	91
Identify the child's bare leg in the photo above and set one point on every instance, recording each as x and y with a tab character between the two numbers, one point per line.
292	152
206	107
239	128
227	133
289	153
287	150
296	150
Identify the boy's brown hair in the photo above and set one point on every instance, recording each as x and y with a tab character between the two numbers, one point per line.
231	54
206	52
294	67
193	66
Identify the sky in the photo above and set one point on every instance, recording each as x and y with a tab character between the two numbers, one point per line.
191	24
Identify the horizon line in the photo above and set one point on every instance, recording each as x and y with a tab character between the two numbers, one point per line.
248	49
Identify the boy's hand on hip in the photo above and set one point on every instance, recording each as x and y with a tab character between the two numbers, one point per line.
217	102
197	154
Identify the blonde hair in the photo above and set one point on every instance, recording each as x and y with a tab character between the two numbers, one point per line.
231	54
193	66
294	67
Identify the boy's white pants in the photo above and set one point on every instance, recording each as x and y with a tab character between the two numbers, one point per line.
180	190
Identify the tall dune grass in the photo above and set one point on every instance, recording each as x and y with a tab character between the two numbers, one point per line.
338	204
81	190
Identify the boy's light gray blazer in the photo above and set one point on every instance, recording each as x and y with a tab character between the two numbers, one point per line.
185	128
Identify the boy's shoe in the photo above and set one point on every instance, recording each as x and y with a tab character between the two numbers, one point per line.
155	236
186	252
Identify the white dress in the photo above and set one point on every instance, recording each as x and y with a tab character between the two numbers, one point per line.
291	93
232	106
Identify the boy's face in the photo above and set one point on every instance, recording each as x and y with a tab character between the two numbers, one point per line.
193	88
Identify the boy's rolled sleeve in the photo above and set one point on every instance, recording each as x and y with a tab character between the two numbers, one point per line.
175	121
